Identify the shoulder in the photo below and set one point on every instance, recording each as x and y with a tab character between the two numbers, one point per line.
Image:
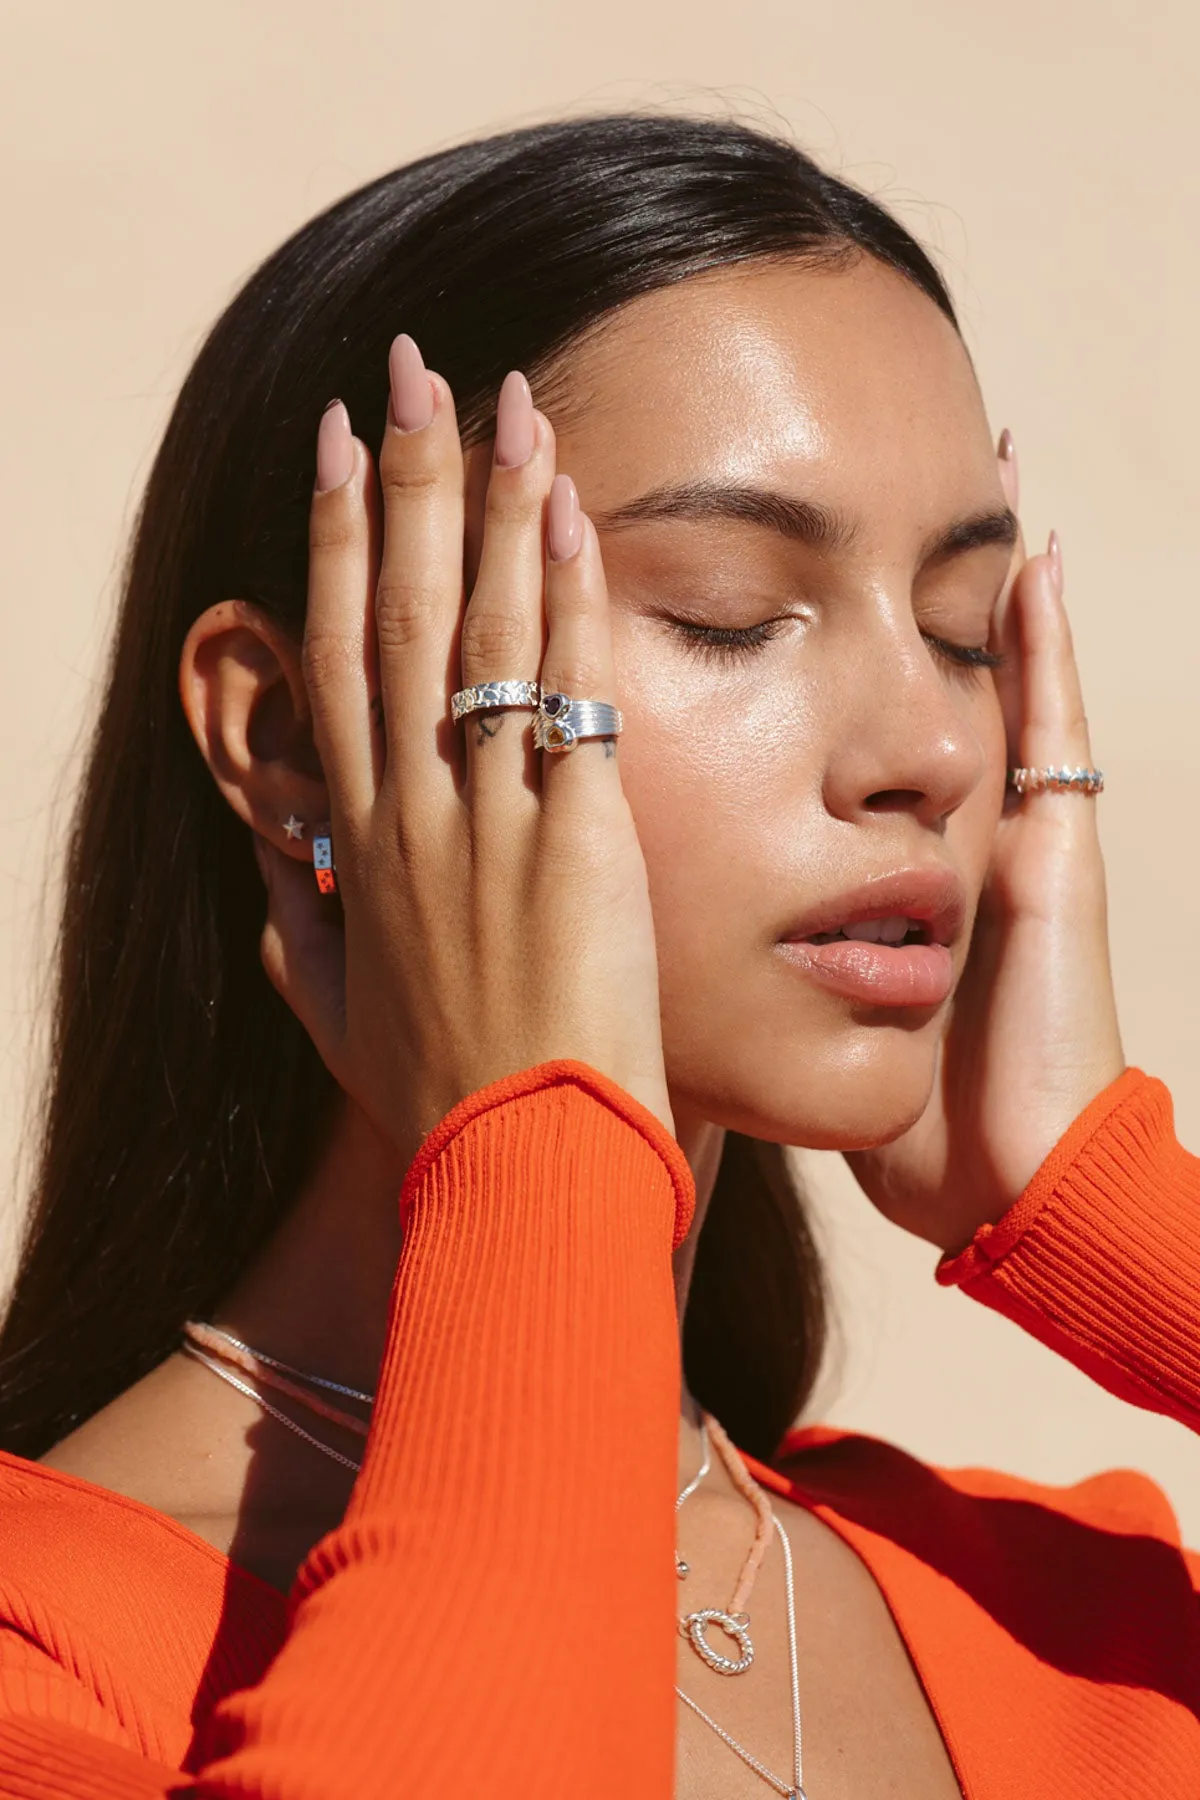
116	1596
1102	1555
81	1562
114	1618
81	1545
1071	1608
876	1476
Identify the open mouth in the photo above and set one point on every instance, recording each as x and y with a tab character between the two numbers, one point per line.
885	943
896	930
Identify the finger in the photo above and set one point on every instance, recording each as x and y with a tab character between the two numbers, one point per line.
303	950
418	598
1005	634
1054	727
579	659
504	625
373	501
335	655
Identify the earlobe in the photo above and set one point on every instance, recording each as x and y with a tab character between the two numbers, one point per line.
243	693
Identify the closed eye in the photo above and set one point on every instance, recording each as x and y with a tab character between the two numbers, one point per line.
726	643
968	656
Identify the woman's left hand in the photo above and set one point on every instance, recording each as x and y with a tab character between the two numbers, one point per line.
1032	1034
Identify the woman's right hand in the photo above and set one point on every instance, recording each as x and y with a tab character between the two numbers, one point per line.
495	910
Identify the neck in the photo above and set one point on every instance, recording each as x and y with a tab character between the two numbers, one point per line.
318	1294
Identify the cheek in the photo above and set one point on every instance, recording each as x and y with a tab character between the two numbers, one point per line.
725	776
724	783
973	828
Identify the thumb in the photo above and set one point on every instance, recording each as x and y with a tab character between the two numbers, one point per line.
303	949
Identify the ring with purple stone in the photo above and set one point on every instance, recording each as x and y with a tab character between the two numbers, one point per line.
560	722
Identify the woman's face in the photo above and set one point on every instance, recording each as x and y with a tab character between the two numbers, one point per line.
801	517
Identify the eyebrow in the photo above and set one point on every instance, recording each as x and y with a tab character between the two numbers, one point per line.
805	521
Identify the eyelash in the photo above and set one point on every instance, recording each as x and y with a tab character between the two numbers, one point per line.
726	644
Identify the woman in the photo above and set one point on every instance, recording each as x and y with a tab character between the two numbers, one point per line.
568	1003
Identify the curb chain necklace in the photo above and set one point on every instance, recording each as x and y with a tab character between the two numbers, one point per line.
735	1623
217	1349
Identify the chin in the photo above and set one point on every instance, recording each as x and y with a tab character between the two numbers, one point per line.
852	1089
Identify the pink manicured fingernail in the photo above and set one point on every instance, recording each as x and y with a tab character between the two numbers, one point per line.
412	396
1054	552
335	448
565	530
514	422
1006	450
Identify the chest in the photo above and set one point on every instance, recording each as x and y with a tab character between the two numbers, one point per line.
867	1730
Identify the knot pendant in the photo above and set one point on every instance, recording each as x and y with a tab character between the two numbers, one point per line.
734	1625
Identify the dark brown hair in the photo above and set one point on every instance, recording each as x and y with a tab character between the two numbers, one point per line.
185	1102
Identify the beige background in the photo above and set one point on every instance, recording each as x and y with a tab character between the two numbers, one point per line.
152	153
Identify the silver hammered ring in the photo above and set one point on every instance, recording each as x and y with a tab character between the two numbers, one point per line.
560	722
487	695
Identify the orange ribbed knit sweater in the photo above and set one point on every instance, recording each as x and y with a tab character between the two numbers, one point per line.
524	1439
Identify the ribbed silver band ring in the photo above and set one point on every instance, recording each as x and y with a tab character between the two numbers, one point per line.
560	722
488	694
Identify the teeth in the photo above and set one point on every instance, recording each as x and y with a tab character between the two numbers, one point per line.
878	931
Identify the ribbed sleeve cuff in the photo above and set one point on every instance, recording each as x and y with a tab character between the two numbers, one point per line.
1100	1256
622	1156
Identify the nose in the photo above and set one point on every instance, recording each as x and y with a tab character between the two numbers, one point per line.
906	742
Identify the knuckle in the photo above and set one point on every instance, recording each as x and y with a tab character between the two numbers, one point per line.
410	847
581	678
334	528
494	640
571	855
513	503
570	598
407	481
409	466
402	610
326	657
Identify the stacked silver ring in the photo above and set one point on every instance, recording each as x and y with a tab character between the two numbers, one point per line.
560	722
488	695
1057	781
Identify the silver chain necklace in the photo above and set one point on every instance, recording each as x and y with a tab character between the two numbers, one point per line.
243	1387
274	1362
252	1393
795	1789
682	1568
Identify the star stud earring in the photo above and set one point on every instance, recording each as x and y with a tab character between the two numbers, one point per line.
293	826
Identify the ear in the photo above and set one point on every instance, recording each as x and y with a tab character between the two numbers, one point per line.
243	692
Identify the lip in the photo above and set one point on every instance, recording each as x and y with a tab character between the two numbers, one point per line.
935	896
890	975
